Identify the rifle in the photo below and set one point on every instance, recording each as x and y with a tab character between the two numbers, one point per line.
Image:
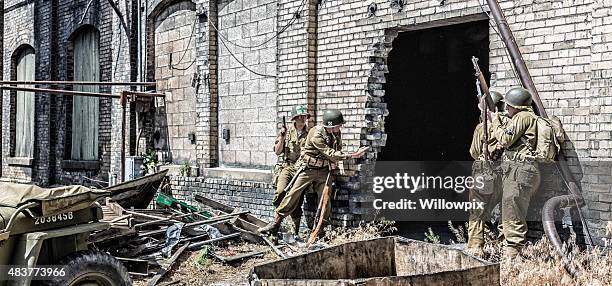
321	210
284	123
485	101
483	85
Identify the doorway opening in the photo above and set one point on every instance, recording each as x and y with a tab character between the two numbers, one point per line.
432	100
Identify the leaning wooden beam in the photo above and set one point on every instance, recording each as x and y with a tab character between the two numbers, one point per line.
100	83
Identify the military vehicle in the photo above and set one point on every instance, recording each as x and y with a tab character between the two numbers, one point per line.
43	238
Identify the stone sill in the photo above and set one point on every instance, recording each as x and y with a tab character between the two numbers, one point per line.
80	165
20	161
241	174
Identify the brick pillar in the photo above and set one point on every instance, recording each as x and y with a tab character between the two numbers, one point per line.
207	92
311	52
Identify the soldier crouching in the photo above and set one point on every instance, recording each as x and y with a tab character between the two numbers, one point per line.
319	155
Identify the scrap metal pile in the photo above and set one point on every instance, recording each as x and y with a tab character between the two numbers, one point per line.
150	241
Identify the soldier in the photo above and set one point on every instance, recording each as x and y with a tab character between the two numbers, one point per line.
319	155
288	144
521	177
490	172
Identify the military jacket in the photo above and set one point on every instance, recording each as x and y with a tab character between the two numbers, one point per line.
293	144
509	134
476	147
321	145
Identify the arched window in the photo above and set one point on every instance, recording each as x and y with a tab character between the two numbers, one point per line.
85	110
24	105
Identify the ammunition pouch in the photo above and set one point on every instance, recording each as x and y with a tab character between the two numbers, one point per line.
489	172
314	162
276	170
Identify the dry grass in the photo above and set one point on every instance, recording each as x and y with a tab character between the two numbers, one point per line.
340	235
540	264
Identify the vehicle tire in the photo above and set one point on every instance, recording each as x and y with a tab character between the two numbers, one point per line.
90	267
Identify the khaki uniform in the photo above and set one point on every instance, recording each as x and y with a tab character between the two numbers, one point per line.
291	154
320	149
490	194
520	178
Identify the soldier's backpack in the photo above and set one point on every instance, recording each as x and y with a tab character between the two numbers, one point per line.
550	136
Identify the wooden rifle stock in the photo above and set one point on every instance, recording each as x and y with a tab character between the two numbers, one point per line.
321	210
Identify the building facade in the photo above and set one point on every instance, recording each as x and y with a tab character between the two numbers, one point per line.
399	70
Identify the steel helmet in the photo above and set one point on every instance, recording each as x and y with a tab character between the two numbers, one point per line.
299	110
517	97
496	96
332	118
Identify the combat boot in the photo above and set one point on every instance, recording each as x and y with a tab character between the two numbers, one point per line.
273	226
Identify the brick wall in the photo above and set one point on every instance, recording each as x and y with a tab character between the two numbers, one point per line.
246	195
175	55
18	31
73	15
247	101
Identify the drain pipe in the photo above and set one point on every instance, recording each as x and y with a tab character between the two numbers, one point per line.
575	195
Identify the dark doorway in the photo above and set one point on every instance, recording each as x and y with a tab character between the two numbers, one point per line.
431	92
432	100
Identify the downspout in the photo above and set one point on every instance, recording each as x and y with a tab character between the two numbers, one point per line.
575	196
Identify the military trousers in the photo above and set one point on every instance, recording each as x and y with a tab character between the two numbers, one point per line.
294	198
284	178
490	194
520	181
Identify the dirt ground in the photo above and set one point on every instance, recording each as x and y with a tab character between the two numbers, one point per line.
213	272
539	263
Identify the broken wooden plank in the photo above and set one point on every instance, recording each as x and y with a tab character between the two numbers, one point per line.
198	245
111	233
217	219
227	209
167	219
171	262
238	257
276	250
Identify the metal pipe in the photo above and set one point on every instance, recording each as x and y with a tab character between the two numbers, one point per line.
62	92
80	93
526	80
123	100
102	83
515	54
150	94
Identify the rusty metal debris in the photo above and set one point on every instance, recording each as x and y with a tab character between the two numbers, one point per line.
150	241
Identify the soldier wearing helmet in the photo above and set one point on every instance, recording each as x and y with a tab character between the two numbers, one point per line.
288	145
320	153
521	177
490	171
